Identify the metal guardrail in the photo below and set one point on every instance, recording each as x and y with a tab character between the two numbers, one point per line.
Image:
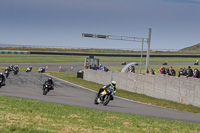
14	52
112	55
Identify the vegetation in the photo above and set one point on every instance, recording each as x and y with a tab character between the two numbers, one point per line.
28	116
194	48
190	50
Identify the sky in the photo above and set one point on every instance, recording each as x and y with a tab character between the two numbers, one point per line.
175	24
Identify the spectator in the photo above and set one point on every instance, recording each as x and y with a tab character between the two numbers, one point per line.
101	68
172	72
162	70
195	73
189	72
133	69
147	71
153	72
184	72
198	73
106	69
167	71
87	65
181	72
128	70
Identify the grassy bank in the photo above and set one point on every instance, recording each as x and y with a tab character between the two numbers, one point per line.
28	116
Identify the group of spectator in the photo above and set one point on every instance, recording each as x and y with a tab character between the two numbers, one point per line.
169	71
189	72
182	72
96	67
131	69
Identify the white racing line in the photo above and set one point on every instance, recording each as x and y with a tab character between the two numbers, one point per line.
96	91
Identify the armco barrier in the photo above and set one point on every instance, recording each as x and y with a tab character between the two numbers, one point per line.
182	90
14	52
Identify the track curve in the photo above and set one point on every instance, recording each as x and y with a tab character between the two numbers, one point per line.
29	86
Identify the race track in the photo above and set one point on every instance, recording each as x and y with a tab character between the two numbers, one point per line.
29	85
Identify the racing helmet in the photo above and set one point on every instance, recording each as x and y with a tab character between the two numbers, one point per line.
113	83
49	79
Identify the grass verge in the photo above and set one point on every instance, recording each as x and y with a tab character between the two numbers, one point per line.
28	116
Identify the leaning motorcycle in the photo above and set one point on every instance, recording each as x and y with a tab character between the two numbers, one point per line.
1	82
41	70
6	72
105	96
16	71
46	88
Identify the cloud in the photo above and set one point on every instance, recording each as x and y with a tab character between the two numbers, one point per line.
184	1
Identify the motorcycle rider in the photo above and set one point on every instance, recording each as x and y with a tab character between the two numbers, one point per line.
112	85
3	78
8	69
16	68
49	81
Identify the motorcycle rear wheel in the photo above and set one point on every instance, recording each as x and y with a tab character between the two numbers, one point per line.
95	101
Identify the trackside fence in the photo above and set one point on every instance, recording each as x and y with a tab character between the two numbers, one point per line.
14	52
182	90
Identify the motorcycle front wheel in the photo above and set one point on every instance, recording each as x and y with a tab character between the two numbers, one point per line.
45	91
106	100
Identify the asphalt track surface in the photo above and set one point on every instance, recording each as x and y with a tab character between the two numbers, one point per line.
29	86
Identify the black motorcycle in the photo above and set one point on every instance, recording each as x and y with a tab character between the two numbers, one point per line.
7	73
15	71
41	70
46	88
105	96
1	82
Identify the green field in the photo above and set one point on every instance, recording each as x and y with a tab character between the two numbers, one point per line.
11	58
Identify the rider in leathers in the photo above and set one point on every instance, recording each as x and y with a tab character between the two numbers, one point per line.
50	81
113	84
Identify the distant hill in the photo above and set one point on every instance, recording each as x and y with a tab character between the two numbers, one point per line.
194	48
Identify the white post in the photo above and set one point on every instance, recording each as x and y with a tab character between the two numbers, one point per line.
148	50
141	55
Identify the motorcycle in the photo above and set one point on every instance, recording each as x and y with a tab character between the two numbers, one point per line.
16	71
1	82
6	72
28	69
41	70
47	87
105	97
